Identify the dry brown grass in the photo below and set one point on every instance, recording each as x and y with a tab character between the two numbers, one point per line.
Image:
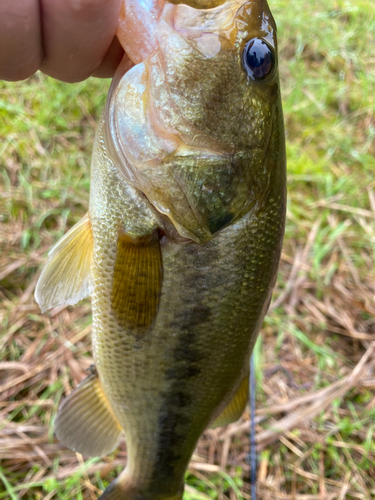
315	361
56	352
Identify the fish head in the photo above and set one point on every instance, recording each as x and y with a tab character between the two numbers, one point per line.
198	121
220	67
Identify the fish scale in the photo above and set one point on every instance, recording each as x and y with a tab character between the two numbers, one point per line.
182	239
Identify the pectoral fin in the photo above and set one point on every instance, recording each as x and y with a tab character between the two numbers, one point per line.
65	278
85	421
235	408
137	281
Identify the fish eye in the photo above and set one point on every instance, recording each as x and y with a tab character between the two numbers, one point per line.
258	59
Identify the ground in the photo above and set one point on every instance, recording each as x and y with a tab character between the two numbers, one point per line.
315	355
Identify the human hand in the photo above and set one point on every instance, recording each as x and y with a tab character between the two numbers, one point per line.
67	39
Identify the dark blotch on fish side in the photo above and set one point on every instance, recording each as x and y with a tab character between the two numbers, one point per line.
174	420
177	405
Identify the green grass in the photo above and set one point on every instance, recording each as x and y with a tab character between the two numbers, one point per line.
316	334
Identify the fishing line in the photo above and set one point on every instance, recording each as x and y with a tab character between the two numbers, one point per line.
253	449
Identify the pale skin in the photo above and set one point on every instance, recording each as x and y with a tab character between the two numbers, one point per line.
69	40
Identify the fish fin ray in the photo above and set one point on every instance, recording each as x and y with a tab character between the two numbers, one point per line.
137	281
66	276
85	421
235	407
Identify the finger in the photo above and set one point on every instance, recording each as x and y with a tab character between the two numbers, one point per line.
20	39
111	60
76	36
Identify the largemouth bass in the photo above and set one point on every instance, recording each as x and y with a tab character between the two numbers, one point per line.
182	241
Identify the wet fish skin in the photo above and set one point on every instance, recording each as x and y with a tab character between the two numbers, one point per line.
187	210
216	287
169	383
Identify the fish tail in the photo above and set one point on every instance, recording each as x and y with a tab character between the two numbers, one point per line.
117	490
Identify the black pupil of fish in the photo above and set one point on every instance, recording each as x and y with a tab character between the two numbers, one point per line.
258	58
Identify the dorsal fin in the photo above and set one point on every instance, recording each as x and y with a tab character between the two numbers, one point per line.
65	278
